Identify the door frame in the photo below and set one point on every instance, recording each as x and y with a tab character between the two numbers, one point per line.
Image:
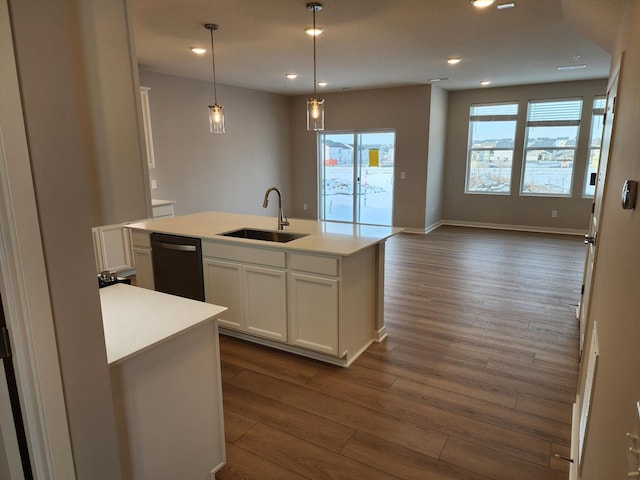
24	286
588	337
357	169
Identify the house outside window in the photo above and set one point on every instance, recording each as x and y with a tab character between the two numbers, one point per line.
595	141
551	139
492	129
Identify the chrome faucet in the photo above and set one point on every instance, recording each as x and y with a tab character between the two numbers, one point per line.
282	220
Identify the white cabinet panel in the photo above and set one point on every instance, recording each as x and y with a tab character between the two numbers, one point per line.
112	247
144	267
313	313
223	286
265	302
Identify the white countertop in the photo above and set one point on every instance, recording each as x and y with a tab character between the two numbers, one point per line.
135	319
322	237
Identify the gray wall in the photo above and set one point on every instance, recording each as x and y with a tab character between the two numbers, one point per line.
113	142
513	209
406	110
436	166
225	172
615	302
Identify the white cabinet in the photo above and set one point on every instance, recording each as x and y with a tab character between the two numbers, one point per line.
251	283
141	247
313	312
112	248
162	208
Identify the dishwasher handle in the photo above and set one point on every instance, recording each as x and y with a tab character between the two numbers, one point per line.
173	246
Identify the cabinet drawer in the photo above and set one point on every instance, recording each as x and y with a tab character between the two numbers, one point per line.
314	264
140	239
163	211
259	256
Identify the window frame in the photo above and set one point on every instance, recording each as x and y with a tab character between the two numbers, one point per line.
510	117
551	123
596	111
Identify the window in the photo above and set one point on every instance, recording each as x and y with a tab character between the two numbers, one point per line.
595	140
492	130
356	176
550	146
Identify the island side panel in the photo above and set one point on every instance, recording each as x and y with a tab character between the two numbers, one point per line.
358	302
380	332
168	407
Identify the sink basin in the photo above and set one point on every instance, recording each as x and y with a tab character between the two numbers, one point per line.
267	235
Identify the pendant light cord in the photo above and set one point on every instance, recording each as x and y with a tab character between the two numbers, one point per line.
213	63
315	34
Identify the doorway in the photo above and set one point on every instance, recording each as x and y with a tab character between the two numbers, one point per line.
356	173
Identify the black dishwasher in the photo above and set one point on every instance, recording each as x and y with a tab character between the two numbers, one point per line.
177	265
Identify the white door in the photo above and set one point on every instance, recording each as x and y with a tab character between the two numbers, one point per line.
591	239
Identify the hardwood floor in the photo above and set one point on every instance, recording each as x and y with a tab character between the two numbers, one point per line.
475	380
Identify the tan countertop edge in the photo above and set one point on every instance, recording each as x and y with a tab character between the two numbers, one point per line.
322	237
136	319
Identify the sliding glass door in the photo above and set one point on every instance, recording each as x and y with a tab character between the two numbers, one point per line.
356	176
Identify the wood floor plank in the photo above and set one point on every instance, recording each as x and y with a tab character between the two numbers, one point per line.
305	458
244	465
401	462
304	425
475	380
494	464
415	437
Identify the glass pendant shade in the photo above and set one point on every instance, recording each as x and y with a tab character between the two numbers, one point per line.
216	118
315	113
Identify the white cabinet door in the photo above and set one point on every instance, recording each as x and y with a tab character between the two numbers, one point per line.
223	286
144	267
313	312
265	302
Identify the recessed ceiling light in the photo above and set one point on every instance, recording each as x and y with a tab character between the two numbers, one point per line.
198	50
482	3
291	76
504	6
313	32
572	67
322	84
484	83
453	60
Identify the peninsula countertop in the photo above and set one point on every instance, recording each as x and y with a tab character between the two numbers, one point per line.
136	319
321	236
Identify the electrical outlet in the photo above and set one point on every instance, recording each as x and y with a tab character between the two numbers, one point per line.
554	213
154	184
305	206
402	175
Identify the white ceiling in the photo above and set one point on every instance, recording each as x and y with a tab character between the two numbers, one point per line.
372	43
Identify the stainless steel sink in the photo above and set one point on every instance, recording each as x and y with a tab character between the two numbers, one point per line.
266	235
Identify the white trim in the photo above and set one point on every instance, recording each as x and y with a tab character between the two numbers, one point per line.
495	226
23	282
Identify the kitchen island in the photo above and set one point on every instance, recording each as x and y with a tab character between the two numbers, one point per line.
164	363
320	295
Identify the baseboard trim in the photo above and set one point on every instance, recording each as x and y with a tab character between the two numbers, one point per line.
518	228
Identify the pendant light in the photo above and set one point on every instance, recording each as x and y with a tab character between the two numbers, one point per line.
315	105
216	112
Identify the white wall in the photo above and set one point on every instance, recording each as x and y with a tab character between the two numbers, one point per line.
226	172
